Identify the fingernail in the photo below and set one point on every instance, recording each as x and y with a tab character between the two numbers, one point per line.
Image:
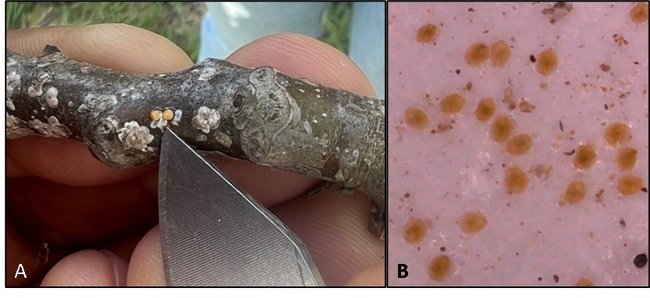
115	263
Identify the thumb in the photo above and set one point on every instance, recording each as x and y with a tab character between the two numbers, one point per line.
371	277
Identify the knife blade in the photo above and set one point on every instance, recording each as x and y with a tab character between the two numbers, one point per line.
215	234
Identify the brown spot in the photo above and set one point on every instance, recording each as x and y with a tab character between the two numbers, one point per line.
507	98
622	222
556	278
558	11
407	195
442	127
604	67
639	13
516	180
573	151
520	144
626	158
526	107
599	196
427	33
502	128
547	62
415	231
507	93
543	86
416	118
575	192
617	133
477	54
485	109
584	282
440	268
473	222
629	185
500	54
541	171
469	86
452	104
585	157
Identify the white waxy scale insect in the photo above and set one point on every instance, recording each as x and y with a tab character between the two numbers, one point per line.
132	135
51	97
206	119
177	117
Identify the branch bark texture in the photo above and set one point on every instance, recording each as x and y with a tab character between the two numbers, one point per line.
259	115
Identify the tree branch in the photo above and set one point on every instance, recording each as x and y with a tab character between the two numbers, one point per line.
260	115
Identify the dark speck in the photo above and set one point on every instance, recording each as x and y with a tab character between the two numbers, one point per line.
457	71
532	59
644	189
640	260
605	67
570	152
539	278
560	5
443	249
622	222
556	278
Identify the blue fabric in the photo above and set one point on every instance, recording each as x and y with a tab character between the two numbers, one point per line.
367	40
211	43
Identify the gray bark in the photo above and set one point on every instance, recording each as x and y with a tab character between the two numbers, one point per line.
259	115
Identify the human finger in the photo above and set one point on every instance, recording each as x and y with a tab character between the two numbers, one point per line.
88	268
334	228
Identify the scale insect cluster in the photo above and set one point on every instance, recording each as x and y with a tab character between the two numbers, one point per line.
160	117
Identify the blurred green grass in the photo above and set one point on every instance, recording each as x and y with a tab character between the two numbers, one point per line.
177	21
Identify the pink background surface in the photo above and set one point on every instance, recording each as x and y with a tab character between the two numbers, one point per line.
528	236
